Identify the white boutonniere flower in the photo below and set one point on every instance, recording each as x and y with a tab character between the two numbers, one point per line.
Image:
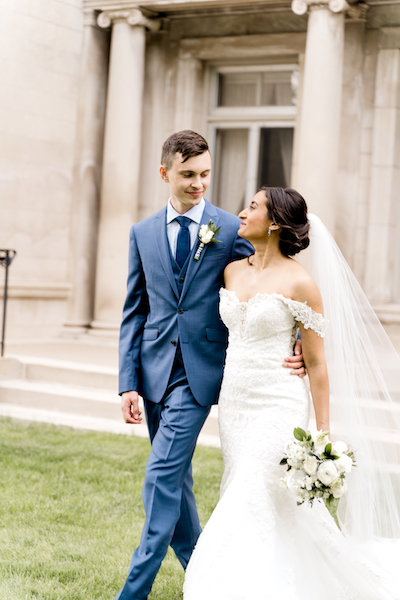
207	234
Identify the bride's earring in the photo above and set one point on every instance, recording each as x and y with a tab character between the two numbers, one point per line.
269	231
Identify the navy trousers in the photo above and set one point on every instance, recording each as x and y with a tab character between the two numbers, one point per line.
169	502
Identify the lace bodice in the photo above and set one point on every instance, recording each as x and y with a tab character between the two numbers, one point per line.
266	315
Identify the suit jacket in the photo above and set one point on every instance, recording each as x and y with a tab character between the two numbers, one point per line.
156	316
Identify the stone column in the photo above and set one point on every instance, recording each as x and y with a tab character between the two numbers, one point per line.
121	161
87	173
189	93
318	144
382	277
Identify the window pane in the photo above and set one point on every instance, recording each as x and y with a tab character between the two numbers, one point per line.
231	169
263	88
238	89
275	161
276	89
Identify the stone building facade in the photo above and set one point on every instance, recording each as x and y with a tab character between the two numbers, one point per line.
304	94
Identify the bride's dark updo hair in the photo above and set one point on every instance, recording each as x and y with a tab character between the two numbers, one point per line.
288	209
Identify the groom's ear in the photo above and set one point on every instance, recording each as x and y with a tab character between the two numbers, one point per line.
164	173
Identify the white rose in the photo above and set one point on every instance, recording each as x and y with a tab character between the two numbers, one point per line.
338	489
344	463
203	230
310	465
208	237
327	472
320	439
296	456
295	484
309	483
338	448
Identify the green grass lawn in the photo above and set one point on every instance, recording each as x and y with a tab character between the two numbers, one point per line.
71	512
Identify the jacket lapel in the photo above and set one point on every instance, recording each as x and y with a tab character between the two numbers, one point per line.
194	265
162	244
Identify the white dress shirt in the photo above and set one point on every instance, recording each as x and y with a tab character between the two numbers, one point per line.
173	227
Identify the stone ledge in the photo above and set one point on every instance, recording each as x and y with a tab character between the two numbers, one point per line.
37	290
388	313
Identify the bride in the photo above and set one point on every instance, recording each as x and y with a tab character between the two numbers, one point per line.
258	544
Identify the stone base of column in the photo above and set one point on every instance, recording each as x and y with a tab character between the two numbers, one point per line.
104	329
388	313
75	329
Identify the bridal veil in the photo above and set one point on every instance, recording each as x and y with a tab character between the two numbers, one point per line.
364	375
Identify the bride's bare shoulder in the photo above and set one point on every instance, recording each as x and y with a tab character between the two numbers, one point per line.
304	287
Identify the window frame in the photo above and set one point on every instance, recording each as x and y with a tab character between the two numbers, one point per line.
252	118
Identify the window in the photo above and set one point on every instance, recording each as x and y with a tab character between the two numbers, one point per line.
251	120
269	88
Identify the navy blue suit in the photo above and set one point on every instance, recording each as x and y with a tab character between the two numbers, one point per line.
172	351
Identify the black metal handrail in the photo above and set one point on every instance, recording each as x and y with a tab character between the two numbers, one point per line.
6	258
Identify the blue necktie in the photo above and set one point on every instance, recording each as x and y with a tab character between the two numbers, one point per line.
183	243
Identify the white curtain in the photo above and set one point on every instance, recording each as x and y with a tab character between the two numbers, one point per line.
231	168
276	89
286	148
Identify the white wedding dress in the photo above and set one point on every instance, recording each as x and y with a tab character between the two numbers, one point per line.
258	544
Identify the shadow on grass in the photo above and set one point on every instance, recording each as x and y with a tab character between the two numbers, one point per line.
71	512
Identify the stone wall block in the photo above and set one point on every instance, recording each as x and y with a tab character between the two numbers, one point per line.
366	141
387	83
384	141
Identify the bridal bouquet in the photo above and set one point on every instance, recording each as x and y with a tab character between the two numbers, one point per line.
317	468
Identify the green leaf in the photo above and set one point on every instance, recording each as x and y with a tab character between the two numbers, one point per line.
328	448
332	504
299	434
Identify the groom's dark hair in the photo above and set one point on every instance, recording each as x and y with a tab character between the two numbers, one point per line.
187	142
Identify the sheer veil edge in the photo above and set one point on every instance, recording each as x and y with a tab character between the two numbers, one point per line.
364	375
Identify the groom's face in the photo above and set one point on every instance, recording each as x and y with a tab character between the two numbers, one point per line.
188	181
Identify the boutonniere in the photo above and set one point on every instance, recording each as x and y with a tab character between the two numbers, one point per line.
207	234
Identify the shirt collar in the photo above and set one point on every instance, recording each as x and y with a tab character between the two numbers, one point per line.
195	213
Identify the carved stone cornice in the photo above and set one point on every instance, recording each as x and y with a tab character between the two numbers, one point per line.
133	17
354	11
89	18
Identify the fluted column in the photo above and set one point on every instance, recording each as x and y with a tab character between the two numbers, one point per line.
87	173
121	160
318	144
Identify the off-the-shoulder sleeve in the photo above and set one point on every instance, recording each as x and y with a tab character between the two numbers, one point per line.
307	316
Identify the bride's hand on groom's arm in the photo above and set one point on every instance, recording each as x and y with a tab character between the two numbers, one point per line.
296	362
130	407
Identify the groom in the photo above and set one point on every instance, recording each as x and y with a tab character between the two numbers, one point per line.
172	348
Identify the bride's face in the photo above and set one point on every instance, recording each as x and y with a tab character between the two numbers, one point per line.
255	222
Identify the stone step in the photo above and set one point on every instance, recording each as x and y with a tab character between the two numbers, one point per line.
61	371
81	407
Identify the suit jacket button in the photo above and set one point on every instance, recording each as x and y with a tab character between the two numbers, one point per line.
173	342
182	279
180	311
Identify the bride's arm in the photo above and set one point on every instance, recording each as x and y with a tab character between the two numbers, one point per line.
314	357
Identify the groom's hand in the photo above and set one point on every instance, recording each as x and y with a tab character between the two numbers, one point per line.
130	407
296	362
